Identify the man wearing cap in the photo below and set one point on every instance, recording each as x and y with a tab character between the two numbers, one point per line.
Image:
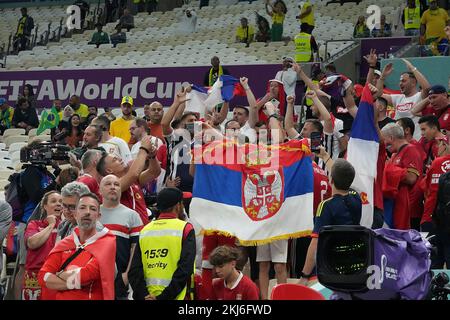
287	76
121	126
436	104
305	46
163	263
6	115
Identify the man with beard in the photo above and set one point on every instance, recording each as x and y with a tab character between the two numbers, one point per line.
79	108
81	267
125	224
154	114
70	193
120	126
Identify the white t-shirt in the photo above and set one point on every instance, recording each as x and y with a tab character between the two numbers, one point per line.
249	132
403	106
117	146
135	148
289	79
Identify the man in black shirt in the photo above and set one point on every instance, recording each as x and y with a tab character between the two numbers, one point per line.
343	208
383	119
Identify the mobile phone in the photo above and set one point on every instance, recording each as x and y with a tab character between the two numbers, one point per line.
316	141
275	102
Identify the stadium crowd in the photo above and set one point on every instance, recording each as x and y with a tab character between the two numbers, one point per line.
115	223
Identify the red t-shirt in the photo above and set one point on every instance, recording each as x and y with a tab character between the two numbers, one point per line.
36	258
133	198
439	166
91	183
243	289
156	130
322	187
443	115
91	287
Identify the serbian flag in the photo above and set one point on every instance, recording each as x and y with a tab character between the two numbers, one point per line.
257	193
196	100
363	154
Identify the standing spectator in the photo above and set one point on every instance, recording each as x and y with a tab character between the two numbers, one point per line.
84	9
23	33
153	115
111	8
79	108
91	139
411	19
383	30
133	176
232	284
125	224
288	76
404	102
90	176
5	223
119	36
121	126
169	274
400	174
126	21
67	175
99	37
70	194
40	238
343	208
433	23
92	269
430	130
278	13
25	116
214	73
6	115
245	32
436	104
112	145
28	94
151	6
381	107
188	22
305	47
264	33
139	129
361	30
306	16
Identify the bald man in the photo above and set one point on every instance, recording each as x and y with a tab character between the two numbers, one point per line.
153	114
125	224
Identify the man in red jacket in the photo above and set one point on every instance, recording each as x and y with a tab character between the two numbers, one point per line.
82	265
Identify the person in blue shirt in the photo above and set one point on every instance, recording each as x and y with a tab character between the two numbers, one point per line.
343	208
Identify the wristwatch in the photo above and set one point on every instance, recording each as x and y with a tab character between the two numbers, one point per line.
305	276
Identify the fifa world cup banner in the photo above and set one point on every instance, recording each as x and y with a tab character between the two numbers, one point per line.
257	193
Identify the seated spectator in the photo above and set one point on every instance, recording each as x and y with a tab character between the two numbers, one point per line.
264	32
99	37
232	284
361	30
28	94
6	115
119	36
127	20
383	30
244	33
40	238
72	135
24	116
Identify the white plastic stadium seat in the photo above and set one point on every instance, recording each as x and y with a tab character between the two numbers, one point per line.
11	139
3	183
13	132
5	163
5	173
16	146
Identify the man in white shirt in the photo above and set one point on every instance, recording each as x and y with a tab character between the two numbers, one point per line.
241	114
112	145
287	76
139	129
409	96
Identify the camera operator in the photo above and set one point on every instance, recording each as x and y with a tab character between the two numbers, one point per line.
36	181
91	139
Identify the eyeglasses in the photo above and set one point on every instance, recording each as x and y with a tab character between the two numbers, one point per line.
70	207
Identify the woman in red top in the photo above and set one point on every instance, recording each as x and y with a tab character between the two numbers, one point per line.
72	135
40	238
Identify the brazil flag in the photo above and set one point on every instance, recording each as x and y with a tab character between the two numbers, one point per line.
48	120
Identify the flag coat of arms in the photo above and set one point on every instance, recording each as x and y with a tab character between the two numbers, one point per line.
362	153
265	193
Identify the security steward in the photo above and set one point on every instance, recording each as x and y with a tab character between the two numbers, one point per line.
163	263
305	45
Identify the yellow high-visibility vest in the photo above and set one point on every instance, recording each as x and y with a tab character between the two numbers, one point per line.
412	18
302	47
161	242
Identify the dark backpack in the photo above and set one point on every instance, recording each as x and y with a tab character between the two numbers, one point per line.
442	211
15	196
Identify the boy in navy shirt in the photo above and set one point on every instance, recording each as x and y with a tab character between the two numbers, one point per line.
343	208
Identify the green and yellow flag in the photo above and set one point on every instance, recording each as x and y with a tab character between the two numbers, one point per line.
48	120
